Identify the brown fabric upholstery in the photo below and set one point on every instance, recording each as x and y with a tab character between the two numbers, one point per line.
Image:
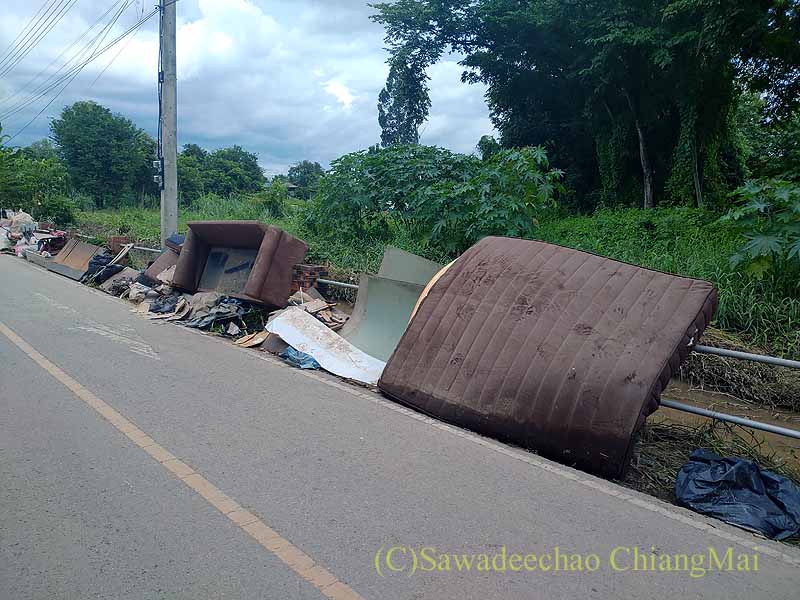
556	350
270	279
167	259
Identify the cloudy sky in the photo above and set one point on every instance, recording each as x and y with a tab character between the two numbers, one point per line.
287	79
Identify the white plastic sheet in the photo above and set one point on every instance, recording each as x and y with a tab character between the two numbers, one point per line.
334	353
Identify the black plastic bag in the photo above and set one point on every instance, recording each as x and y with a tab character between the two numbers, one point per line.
165	304
737	491
106	273
96	264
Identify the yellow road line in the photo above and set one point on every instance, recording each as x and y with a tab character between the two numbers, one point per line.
297	560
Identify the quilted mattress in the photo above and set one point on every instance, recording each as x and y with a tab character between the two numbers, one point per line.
556	350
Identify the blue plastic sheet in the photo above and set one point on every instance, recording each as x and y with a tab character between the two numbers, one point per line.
298	359
738	491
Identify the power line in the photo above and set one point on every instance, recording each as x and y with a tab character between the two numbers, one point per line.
79	68
13	44
114	58
22	91
41	31
46	87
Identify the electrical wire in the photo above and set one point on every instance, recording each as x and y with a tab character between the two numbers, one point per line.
23	35
42	31
75	71
45	88
114	58
20	92
13	44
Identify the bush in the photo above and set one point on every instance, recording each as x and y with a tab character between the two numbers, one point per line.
450	200
768	214
274	199
362	189
55	209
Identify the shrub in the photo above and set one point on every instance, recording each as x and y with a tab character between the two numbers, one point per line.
768	213
451	200
56	209
273	200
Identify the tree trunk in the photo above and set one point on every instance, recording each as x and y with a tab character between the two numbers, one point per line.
647	170
698	187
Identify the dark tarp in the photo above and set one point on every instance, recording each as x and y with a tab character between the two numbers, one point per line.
270	274
556	350
738	491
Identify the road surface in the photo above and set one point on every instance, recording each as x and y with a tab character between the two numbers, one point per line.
139	459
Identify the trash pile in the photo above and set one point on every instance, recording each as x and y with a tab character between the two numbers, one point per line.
20	234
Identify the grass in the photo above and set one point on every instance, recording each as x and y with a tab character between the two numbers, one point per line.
663	448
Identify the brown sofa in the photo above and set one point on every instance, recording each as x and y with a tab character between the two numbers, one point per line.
276	252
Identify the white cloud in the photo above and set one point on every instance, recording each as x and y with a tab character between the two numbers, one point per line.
290	80
340	92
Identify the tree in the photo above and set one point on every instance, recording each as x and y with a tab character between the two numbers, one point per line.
9	169
404	103
305	175
106	155
488	146
41	149
618	90
223	172
232	170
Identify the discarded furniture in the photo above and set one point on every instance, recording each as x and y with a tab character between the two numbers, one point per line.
380	316
400	265
245	259
73	259
556	350
167	259
385	302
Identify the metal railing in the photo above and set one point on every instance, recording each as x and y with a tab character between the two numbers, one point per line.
712	414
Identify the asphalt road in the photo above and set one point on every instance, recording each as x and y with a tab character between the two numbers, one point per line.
338	474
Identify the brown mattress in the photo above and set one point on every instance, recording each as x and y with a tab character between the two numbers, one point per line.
550	348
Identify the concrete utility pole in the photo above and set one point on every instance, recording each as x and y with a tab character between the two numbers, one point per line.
169	122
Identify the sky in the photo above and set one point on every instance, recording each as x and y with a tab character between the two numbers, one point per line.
289	80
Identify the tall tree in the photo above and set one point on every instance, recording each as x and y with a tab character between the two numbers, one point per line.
403	103
106	155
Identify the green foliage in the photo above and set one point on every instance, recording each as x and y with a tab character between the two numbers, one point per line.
768	212
403	103
451	200
362	189
487	147
106	155
305	175
274	199
223	172
771	146
9	162
622	94
41	149
60	210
